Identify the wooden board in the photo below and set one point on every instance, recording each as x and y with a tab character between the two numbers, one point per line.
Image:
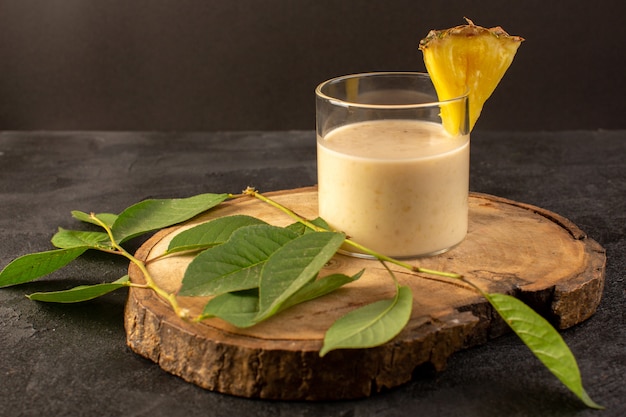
511	247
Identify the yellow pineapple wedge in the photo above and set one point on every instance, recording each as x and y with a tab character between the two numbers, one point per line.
467	58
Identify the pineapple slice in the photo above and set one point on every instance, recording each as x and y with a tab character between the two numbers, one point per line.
467	58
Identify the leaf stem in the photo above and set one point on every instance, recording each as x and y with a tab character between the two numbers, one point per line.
300	219
150	283
393	276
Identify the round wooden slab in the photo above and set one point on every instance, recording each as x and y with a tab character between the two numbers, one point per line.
536	255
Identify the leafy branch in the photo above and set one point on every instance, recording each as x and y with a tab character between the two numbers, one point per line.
253	271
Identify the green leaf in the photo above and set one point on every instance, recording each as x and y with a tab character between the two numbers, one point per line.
241	308
212	233
238	308
80	293
32	266
292	266
65	239
234	265
151	215
107	218
371	325
543	340
320	287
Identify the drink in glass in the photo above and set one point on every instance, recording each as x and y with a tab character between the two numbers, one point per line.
389	174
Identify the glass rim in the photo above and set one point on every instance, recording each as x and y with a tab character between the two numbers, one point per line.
346	103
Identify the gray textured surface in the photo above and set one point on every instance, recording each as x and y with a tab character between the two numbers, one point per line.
63	360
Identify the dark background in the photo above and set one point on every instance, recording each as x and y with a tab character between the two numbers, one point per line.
192	65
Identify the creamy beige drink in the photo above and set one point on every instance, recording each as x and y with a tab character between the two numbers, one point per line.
399	187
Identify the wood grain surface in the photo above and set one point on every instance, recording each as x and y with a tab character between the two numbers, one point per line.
515	248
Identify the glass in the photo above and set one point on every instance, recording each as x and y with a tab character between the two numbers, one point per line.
389	174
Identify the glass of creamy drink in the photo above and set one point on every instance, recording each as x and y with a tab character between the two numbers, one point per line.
390	175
